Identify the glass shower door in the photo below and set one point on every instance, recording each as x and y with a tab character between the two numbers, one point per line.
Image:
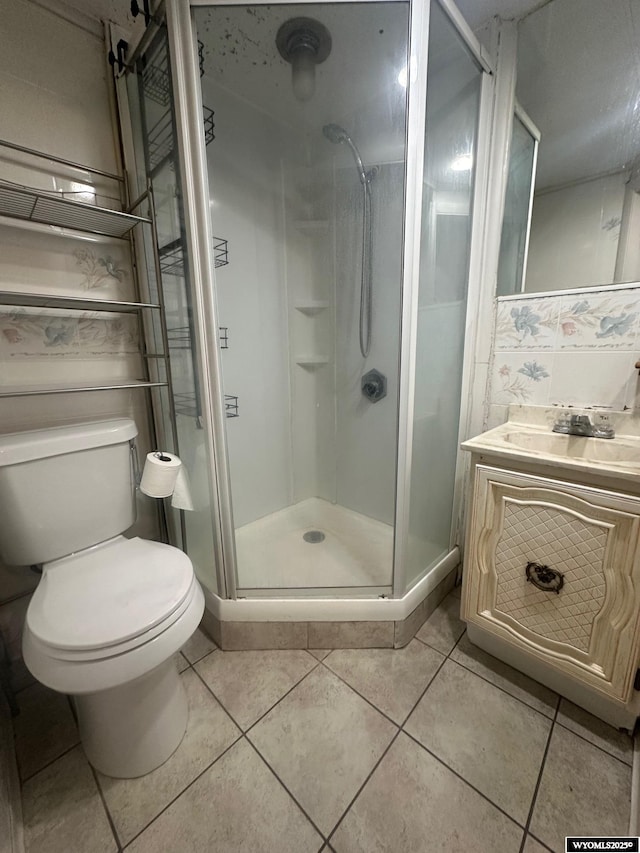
153	168
306	180
453	101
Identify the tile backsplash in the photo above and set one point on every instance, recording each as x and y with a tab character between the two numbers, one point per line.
570	349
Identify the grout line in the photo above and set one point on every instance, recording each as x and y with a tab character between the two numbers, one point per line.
295	800
362	696
462	779
517	698
393	740
48	764
271	707
552	717
529	835
231	717
539	779
597	746
104	805
177	797
284	695
201	658
364	784
202	772
435	649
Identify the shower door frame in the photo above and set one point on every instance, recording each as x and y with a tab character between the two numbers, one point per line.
416	127
194	173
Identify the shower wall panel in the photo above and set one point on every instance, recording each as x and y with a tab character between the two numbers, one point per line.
366	432
310	271
247	209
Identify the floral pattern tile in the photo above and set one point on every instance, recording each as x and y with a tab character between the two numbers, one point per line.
521	378
602	321
99	270
99	267
528	324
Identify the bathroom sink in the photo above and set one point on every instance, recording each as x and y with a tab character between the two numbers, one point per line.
527	437
613	450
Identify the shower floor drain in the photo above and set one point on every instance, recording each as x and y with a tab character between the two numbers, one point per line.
313	536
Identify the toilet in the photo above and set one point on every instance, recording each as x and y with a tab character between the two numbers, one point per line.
109	613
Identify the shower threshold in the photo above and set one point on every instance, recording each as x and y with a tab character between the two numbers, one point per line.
356	551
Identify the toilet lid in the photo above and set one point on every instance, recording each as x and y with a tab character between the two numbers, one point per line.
108	594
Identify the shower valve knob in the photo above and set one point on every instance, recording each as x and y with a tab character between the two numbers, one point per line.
374	386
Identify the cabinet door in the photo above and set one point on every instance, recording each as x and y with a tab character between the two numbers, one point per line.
590	628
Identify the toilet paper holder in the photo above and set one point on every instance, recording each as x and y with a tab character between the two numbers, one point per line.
136	473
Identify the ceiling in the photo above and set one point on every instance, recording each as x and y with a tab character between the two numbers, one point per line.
476	12
578	69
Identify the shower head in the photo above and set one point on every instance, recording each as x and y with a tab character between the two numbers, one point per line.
336	134
305	43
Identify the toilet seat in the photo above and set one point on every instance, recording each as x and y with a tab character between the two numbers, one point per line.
110	614
109	598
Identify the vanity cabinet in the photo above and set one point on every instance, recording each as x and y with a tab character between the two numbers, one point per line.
552	584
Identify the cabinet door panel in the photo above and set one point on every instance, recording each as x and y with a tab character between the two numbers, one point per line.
589	629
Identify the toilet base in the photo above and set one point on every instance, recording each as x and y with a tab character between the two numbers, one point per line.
129	730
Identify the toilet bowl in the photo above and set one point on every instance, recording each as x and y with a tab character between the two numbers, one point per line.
109	613
103	626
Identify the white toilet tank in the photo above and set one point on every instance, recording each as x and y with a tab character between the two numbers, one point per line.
64	489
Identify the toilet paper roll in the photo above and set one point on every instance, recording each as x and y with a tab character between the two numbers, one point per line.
160	474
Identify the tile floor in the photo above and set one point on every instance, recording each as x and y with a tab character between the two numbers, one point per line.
435	747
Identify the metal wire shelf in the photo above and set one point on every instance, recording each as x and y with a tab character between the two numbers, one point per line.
179	337
155	77
160	140
64	388
185	404
70	303
34	205
172	258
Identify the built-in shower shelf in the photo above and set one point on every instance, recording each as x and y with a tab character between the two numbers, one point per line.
312	361
312	306
314	225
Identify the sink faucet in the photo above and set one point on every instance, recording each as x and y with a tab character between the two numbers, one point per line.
582	425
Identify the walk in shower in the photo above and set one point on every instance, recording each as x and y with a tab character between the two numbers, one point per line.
314	180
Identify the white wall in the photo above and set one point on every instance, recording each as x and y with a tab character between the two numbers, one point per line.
574	235
54	98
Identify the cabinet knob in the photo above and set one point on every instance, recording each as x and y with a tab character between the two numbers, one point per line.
544	577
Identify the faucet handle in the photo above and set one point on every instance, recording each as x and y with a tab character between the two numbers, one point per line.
562	421
602	426
580	420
